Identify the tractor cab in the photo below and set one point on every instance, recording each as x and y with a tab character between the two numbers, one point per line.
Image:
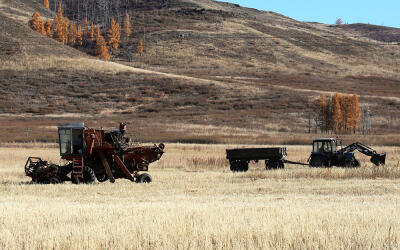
71	140
328	145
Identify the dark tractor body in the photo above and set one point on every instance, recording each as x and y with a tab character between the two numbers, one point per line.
327	154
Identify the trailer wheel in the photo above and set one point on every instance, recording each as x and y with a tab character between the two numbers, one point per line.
144	178
239	166
270	164
88	176
244	167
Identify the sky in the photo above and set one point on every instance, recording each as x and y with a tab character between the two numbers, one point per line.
379	12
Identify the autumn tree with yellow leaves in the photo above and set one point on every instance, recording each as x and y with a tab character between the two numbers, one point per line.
72	34
79	35
101	49
114	34
341	113
355	114
46	4
58	26
140	48
65	28
337	118
47	28
91	37
37	23
127	29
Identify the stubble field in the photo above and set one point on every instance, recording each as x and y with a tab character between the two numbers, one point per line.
196	202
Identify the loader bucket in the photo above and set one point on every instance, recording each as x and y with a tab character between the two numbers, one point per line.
378	159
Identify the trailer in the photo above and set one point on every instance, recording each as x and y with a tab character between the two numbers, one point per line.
325	154
239	159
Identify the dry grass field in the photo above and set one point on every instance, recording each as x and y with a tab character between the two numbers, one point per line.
195	202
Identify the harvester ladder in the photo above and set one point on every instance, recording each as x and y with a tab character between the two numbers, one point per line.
77	166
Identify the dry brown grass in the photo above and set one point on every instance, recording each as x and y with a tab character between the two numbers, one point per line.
204	80
196	202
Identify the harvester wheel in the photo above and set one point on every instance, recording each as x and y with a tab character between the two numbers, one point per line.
88	176
55	180
144	178
102	177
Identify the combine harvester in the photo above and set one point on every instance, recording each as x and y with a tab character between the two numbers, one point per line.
325	154
94	154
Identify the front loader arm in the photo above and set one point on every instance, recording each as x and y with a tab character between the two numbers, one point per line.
376	158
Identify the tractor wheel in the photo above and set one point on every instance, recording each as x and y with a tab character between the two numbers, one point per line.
318	162
356	163
144	178
353	163
88	176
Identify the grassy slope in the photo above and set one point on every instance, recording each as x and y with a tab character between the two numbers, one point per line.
248	69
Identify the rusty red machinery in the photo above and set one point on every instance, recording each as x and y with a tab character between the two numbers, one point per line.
95	154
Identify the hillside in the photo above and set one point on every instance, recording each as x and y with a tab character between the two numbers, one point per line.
210	70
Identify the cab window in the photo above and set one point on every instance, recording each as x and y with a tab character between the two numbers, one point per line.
322	146
65	141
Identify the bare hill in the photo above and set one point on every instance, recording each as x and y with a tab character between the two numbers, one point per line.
210	70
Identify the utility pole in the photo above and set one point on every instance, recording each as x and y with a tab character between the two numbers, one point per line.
27	131
144	30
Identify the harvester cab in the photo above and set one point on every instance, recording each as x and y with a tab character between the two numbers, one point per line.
71	140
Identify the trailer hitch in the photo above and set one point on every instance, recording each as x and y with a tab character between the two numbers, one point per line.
296	163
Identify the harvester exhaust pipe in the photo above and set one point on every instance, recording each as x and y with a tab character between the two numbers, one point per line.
378	159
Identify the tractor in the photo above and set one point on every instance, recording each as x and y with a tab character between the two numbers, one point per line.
326	153
95	154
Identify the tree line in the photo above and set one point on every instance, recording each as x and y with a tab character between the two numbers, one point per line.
338	114
85	35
